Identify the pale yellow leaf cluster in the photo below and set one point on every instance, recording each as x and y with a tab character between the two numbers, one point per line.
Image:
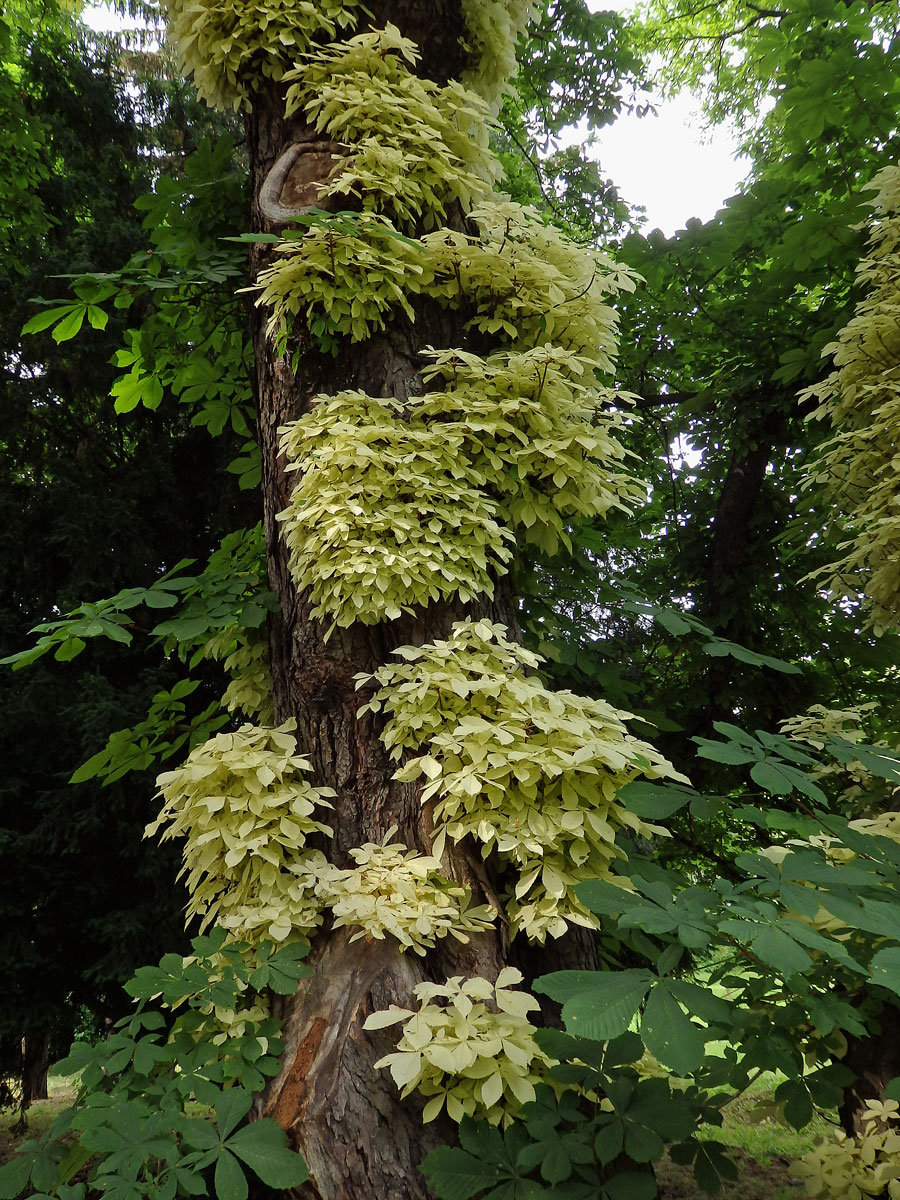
386	514
469	1045
538	430
399	505
855	1168
818	724
284	908
397	892
413	147
232	47
523	281
342	281
493	27
245	808
526	772
859	466
528	283
247	662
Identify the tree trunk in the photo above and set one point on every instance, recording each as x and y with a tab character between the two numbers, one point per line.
732	534
35	1065
876	1061
359	1140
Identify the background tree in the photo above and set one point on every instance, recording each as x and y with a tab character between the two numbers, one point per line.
90	501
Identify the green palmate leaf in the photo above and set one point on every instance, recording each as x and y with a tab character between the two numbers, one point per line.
724	752
605	899
650	1107
483	1140
798	1104
454	1174
70	325
597	1004
282	971
669	1035
879	760
72	1163
772	778
672	622
803	900
199	1134
556	1165
263	1145
231	1108
780	779
97	317
14	1176
885	969
655	801
71	648
806	936
49	316
711	1162
260	238
609	1141
230	1180
670	958
721	648
700	1001
779	950
517	1189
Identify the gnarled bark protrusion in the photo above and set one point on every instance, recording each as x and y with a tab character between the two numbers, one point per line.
293	185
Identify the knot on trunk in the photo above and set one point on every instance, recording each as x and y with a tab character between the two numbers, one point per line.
293	185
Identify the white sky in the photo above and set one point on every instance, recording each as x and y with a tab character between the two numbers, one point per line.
662	162
665	162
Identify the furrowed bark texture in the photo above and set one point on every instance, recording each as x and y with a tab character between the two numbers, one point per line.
359	1140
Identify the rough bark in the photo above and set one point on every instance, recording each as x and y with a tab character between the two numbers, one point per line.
358	1139
876	1061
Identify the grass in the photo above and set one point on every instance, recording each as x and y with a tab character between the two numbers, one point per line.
40	1117
763	1149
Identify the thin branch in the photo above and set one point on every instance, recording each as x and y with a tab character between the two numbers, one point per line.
663	398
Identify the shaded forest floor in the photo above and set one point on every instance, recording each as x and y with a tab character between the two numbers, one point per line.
759	1179
41	1116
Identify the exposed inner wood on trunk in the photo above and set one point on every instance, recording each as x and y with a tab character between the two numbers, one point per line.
293	185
